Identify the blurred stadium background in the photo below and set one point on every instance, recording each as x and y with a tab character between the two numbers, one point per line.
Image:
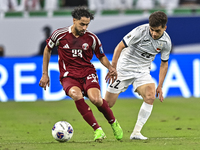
22	30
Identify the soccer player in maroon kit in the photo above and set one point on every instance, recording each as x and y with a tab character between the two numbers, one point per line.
76	46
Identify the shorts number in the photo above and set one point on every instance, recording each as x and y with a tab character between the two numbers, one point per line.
94	77
117	82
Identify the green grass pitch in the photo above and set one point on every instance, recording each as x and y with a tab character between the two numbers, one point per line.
173	125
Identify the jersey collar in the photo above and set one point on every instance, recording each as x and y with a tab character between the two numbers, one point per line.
70	29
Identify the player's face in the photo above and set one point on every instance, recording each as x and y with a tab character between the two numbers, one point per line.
157	32
81	25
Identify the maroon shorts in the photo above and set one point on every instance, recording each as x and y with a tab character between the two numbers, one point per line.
91	81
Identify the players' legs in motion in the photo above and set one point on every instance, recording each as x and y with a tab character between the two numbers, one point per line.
110	100
76	94
94	95
147	92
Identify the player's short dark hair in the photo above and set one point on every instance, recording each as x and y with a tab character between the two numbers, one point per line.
82	11
157	19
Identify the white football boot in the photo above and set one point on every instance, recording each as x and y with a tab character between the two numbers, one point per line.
137	136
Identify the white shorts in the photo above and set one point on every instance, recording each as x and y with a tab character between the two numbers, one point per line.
121	84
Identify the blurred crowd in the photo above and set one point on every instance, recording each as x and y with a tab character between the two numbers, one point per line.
34	5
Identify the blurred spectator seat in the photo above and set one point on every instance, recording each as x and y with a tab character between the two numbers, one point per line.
145	4
8	5
98	5
51	4
29	5
168	4
188	2
73	3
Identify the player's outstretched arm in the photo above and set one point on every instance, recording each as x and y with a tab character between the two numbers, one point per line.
112	73
162	74
117	52
44	81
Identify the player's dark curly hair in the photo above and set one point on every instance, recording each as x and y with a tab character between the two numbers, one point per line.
157	19
82	11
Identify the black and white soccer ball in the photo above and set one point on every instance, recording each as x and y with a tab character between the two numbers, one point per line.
62	131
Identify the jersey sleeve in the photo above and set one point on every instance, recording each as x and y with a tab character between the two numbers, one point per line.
133	36
50	42
53	40
97	47
166	51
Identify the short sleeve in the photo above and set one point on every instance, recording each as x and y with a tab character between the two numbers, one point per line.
97	47
166	51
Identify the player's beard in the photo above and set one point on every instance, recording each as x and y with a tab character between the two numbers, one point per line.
80	33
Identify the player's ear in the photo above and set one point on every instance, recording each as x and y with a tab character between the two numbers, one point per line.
74	20
165	27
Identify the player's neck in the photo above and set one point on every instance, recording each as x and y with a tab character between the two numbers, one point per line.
74	32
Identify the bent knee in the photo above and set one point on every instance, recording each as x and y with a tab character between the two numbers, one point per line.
149	98
75	95
97	101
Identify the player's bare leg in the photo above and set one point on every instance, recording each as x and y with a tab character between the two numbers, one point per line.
147	91
76	94
102	105
111	98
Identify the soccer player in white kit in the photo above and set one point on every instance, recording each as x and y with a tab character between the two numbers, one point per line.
132	58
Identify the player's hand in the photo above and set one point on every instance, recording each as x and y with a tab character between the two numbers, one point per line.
112	71
159	93
110	78
111	75
44	81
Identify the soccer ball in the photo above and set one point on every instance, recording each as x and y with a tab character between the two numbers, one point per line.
62	131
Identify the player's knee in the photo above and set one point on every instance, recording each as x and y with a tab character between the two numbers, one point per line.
149	98
97	101
75	95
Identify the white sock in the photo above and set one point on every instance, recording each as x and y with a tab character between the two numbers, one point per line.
143	115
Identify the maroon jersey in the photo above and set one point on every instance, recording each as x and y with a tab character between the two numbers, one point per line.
74	53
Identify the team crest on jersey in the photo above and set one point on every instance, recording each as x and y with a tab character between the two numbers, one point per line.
158	49
85	46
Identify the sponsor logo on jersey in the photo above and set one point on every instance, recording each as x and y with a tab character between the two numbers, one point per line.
66	46
128	36
101	49
146	40
85	46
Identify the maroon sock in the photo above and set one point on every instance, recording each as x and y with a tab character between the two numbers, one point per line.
107	112
87	114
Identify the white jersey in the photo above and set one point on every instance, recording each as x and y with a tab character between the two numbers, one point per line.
141	50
